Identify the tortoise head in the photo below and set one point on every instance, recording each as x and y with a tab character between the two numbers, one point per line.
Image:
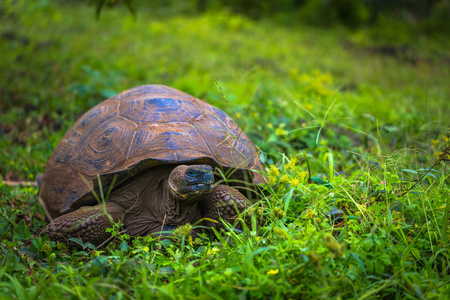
191	183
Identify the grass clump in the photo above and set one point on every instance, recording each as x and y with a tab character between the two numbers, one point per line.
355	144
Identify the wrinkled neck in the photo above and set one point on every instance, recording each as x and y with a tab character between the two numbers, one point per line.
178	210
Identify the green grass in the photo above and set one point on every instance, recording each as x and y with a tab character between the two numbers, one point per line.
344	131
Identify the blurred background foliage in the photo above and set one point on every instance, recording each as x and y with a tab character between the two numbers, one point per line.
346	74
428	15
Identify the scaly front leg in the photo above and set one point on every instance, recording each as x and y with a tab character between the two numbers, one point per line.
88	223
224	202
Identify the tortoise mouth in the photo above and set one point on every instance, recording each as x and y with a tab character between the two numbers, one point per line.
201	186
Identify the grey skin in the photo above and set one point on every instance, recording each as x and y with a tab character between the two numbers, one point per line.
156	200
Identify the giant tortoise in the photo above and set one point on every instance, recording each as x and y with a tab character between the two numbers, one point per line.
155	148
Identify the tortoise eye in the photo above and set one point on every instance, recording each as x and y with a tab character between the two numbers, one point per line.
191	173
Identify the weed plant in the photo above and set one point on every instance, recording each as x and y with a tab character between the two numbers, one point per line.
355	143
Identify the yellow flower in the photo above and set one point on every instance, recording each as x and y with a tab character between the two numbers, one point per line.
273	271
280	130
291	164
256	211
272	180
281	233
212	251
277	213
183	230
304	78
294	182
361	207
274	171
317	82
445	138
284	178
327	78
302	175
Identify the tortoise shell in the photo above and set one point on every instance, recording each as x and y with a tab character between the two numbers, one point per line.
133	131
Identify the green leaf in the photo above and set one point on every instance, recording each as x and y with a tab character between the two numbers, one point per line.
18	288
432	175
411	245
360	262
124	246
287	200
334	212
410	171
428	169
22	231
36	245
330	166
78	241
90	246
322	182
263	156
384	258
257	251
418	291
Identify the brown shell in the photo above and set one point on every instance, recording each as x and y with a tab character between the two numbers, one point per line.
135	130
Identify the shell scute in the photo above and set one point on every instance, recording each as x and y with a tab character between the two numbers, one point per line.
160	110
67	149
226	140
105	149
83	128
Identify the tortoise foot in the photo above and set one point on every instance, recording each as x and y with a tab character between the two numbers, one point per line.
227	203
88	223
